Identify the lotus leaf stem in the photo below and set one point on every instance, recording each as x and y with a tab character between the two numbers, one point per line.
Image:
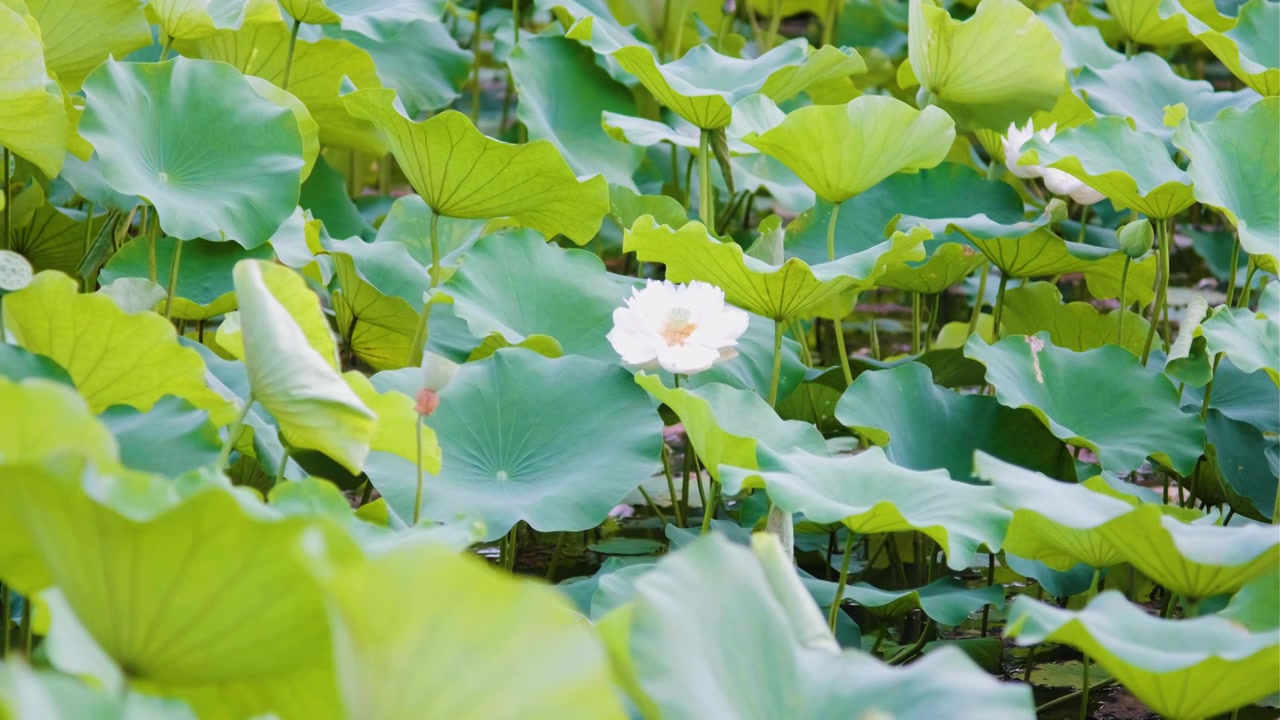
842	582
172	291
4	620
653	505
417	347
844	353
980	300
915	323
164	50
671	484
288	58
777	363
709	509
233	432
417	495
555	556
998	313
1073	695
908	653
706	209
475	68
153	233
1233	270
831	232
1162	286
775	22
1124	306
991	577
1248	284
1084	656
8	198
88	239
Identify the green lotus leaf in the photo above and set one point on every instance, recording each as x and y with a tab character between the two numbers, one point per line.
890	406
408	223
192	19
204	290
703	85
34	124
1240	396
1034	307
947	600
119	28
260	439
28	693
1159	659
1236	179
46	417
529	183
564	294
1256	606
625	207
1250	50
374	327
171	438
997	67
726	424
1152	22
404	647
679	623
388	266
793	289
1251	340
1082	45
239	655
1143	87
1131	168
54	238
18	364
314	12
417	57
843	150
319	68
213	156
293	370
520	434
1102	399
646	133
85	177
562	95
1240	461
308	128
114	358
870	494
592	22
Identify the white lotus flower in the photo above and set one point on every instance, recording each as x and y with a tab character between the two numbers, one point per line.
683	329
1057	181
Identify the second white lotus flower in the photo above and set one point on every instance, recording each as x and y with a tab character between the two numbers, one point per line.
1056	181
683	329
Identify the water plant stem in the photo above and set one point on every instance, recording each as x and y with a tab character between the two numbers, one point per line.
172	290
288	58
8	198
671	484
1084	222
705	209
915	323
4	620
1247	290
999	309
908	653
829	22
475	68
233	432
842	581
777	362
981	298
934	324
1084	656
417	347
88	239
1208	388
709	509
164	49
1233	270
653	505
153	234
831	232
1124	306
775	22
1073	695
991	577
1162	285
555	556
417	495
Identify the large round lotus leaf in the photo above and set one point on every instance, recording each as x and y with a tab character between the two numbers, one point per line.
892	406
869	494
180	549
114	358
169	439
1159	660
689	656
529	183
521	433
793	289
418	58
292	365
997	67
842	150
308	128
118	28
1034	307
1131	168
54	239
1143	87
1240	180
319	68
726	425
190	19
420	631
703	85
947	191
1082	45
1151	22
214	157
1251	340
562	95
1251	49
34	124
1102	399
947	600
204	288
521	287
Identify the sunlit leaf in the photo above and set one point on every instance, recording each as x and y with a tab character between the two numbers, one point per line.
1250	50
190	19
1034	307
34	121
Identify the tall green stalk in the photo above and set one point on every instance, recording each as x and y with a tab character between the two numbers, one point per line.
1124	306
475	68
1084	657
172	291
981	299
831	232
417	346
775	22
777	363
8	198
417	495
998	313
1162	285
1234	270
233	432
288	58
706	210
843	581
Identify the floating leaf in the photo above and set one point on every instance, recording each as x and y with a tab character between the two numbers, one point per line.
519	449
1102	399
997	67
405	648
1158	659
1236	179
292	365
793	289
114	358
840	151
1131	168
34	123
215	158
703	85
869	494
1251	49
529	183
890	406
